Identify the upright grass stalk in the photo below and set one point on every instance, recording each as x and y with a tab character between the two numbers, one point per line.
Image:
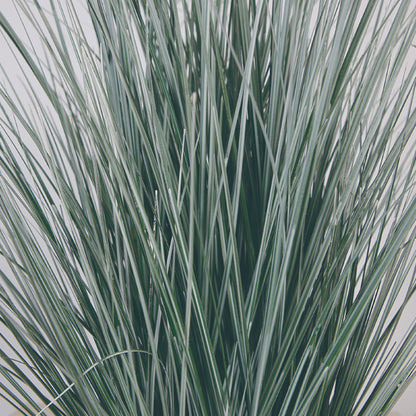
208	208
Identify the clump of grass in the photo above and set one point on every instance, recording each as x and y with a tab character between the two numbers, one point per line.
209	208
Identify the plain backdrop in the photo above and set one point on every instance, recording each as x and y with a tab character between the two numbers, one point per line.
406	405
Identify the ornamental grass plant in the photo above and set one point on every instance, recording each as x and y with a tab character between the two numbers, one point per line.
208	208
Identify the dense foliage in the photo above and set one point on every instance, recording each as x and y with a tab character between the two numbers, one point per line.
208	208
